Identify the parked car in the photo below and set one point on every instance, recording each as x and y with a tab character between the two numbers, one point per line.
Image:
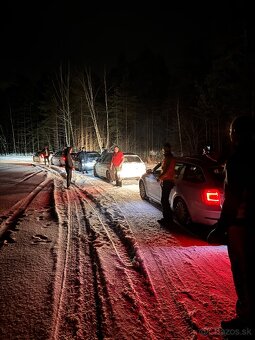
133	167
38	157
84	161
58	158
197	196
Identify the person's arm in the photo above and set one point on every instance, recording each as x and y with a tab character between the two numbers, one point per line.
122	159
111	164
157	166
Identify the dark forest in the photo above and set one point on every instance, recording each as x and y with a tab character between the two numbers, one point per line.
138	103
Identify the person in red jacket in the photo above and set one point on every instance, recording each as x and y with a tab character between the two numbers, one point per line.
46	155
116	164
166	179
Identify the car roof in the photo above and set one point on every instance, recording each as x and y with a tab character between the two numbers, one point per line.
88	152
125	153
198	160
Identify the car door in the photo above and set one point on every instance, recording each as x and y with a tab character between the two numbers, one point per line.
103	164
153	186
191	185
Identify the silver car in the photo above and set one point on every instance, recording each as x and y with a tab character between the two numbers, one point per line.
58	158
84	161
197	196
38	157
132	168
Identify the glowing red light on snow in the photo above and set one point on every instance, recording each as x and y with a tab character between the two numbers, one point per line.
211	197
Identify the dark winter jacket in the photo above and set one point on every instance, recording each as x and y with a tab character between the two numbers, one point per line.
68	158
239	204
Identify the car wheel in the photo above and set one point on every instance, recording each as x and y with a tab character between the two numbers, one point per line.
108	177
142	191
181	212
95	172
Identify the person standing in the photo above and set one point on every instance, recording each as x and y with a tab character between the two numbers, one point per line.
82	158
46	155
237	222
116	164
166	179
68	165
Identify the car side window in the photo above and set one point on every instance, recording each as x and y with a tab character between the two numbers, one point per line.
178	169
193	174
107	158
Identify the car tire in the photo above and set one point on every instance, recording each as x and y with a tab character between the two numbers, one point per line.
142	191
108	177
95	172
181	212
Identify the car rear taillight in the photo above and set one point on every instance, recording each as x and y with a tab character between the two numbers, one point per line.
211	197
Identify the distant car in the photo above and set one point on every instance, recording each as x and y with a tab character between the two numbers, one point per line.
58	158
197	196
84	161
38	157
132	168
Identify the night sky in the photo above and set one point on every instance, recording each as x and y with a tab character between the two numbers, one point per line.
36	36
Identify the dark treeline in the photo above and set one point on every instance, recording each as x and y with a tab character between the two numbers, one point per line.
138	104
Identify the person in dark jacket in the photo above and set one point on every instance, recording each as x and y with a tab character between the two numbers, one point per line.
166	179
68	165
237	221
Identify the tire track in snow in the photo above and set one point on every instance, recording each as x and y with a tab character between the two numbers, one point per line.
123	242
183	326
18	209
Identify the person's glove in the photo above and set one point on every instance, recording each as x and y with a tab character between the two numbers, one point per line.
217	235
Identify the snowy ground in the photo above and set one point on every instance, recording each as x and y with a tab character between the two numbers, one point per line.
91	262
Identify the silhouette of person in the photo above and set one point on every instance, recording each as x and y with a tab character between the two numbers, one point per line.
237	221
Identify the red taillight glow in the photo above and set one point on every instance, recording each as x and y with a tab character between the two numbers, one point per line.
211	197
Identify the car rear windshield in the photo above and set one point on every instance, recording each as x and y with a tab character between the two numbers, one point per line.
93	155
130	159
217	172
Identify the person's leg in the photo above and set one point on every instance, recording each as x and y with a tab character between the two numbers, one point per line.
167	212
68	177
236	257
242	255
117	176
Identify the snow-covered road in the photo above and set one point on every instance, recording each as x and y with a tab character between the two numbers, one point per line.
92	262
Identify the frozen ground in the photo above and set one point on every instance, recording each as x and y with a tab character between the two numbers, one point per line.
91	262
